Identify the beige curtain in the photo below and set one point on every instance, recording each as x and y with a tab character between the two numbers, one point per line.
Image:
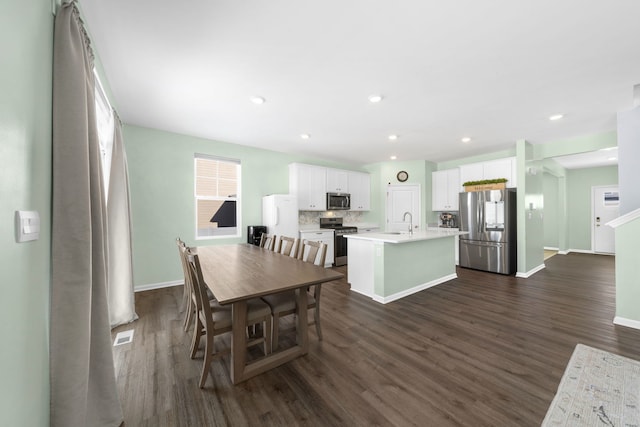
120	270
83	387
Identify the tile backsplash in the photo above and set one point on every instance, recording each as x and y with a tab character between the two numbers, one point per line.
313	217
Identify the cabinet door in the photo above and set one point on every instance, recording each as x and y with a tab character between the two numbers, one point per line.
360	189
439	190
500	168
308	184
453	189
337	181
445	186
471	172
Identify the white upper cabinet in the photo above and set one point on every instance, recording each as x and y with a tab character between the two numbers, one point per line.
337	181
471	172
500	168
309	184
360	189
445	186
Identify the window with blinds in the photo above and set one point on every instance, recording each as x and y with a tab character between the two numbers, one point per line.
217	188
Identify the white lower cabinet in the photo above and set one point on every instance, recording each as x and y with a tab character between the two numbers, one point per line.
321	236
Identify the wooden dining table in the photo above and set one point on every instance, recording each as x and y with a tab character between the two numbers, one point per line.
237	273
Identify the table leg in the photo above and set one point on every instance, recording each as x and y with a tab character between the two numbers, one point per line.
302	326
238	340
240	370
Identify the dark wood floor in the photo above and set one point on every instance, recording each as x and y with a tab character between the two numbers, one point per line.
483	349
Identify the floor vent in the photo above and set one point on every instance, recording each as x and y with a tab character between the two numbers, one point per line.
124	337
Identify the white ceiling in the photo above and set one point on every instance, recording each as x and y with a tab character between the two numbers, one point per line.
493	70
592	159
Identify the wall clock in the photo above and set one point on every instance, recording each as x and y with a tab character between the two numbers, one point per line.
402	176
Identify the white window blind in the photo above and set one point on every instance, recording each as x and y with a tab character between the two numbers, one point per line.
217	188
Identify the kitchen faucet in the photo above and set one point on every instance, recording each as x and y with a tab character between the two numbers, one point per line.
404	218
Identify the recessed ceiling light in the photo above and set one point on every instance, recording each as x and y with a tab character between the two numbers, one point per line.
393	157
305	136
393	137
466	139
556	117
612	158
257	100
375	98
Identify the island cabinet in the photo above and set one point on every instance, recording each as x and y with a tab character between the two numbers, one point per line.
390	266
445	187
324	236
337	181
500	168
309	184
360	189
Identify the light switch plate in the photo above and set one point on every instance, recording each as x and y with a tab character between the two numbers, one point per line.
27	225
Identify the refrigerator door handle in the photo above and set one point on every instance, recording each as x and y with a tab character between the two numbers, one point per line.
277	216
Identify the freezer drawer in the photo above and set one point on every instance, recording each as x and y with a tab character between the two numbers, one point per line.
488	256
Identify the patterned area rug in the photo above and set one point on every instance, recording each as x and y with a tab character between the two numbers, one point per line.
598	388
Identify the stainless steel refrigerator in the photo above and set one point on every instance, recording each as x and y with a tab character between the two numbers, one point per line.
490	219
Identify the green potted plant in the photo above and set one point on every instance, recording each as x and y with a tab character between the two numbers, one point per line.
485	184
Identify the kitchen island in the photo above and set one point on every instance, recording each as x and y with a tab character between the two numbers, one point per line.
389	266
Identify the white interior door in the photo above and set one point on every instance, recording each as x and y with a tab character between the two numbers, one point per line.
402	198
605	201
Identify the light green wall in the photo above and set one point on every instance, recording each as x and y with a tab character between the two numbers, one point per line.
530	209
552	205
26	37
404	266
477	159
628	271
581	144
579	183
384	173
162	204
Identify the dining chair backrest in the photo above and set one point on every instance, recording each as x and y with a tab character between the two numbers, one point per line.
288	246
198	286
314	252
268	241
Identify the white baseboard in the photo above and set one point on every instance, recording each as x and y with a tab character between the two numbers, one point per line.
629	323
581	251
410	291
161	285
550	248
362	293
563	252
531	272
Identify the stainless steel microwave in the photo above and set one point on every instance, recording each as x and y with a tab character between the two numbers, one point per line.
338	201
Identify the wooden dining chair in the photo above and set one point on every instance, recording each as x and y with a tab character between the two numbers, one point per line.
284	304
189	303
214	319
187	295
288	246
268	241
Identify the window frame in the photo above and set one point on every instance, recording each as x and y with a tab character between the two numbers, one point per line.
237	199
104	116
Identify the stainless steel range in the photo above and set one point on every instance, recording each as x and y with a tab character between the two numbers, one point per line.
340	243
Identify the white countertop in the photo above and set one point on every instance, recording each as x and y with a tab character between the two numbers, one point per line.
405	237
